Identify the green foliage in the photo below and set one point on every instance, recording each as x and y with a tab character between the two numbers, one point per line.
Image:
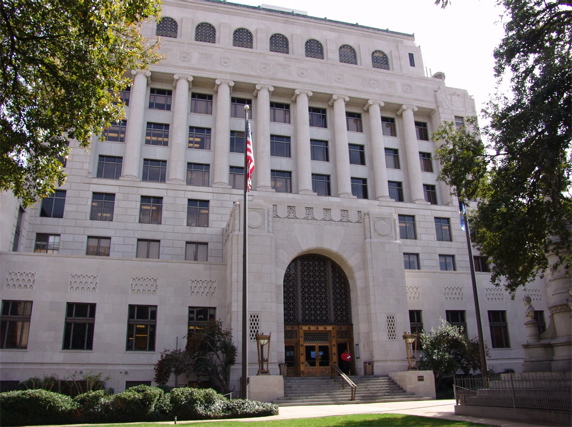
240	408
36	407
196	404
93	406
62	65
135	404
172	362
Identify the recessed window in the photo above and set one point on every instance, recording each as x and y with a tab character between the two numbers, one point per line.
167	27
47	243
196	251
443	229
201	103
411	261
102	207
388	126
395	190
540	321
198	174
199	317
109	167
53	205
348	54
154	170
125	96
149	249
499	329
279	43
15	321
430	193
481	264
357	154
237	177
160	99
353	121
115	132
422	131
318	117
415	321
359	188
380	60
197	213
321	184
151	210
80	323
205	32
281	181
199	138
447	263
237	107
407	227
392	158
314	49
237	142
457	318
141	328
459	122
157	134
242	38
319	150
98	246
280	146
425	161
279	112
412	60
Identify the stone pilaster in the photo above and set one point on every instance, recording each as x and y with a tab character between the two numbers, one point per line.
341	146
412	153
377	150
222	133
261	140
304	160
180	131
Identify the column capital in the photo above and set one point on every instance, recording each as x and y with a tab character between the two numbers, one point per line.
147	74
262	87
405	107
338	97
371	102
298	92
219	82
178	77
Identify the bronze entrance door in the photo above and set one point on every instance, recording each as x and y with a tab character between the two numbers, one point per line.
317	360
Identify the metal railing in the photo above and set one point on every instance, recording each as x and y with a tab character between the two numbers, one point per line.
346	380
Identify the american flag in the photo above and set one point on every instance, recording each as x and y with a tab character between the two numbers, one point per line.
249	157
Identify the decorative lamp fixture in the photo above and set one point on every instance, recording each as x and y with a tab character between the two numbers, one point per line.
263	347
411	348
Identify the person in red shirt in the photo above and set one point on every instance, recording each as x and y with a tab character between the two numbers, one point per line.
346	361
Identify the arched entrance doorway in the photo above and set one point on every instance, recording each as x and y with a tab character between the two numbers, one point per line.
317	316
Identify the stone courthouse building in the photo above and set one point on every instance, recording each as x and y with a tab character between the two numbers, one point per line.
352	241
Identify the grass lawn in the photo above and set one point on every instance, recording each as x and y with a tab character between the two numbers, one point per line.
367	420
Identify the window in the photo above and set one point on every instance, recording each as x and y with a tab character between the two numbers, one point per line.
102	206
319	150
125	95
151	210
422	131
388	126
407	227
314	49
237	142
154	170
481	264
359	188
318	117
321	184
115	132
201	103
380	60
416	323
198	174
357	154
198	213
279	113
281	181
18	229
47	243
15	324
167	27
199	317
53	205
443	229
205	32
392	158
395	190
540	322
160	99
447	263
457	318
109	167
279	43
499	329
353	121
425	160
141	326
199	138
430	193
242	38
237	107
279	146
80	322
157	134
459	122
411	261
237	177
148	249
98	246
196	251
412	60
347	54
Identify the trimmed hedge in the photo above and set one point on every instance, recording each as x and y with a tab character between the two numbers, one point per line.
36	407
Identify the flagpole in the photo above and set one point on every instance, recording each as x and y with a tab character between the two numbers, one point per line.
244	377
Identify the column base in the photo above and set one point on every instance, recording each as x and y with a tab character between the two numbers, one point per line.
347	196
309	192
265	188
176	181
129	178
221	185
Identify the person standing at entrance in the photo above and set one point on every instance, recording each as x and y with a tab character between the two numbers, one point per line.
346	361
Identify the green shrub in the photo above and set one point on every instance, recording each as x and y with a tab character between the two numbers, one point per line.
196	404
94	406
240	408
36	407
135	404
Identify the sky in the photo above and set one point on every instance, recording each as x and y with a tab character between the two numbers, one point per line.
458	40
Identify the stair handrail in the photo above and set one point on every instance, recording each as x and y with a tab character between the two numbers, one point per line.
337	371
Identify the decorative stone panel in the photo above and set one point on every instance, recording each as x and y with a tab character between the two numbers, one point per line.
391	331
86	283
202	288
144	285
534	294
453	293
254	325
494	294
413	293
25	280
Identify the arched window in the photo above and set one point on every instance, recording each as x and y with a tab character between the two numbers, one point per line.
348	54
167	27
314	49
279	43
242	38
205	32
379	60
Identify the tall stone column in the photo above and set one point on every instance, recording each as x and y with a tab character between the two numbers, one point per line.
341	146
377	150
412	153
303	155
180	131
222	133
445	192
262	139
135	126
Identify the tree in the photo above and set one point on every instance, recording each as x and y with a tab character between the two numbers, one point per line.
62	66
523	174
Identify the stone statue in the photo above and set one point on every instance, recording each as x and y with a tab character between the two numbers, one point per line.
529	313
